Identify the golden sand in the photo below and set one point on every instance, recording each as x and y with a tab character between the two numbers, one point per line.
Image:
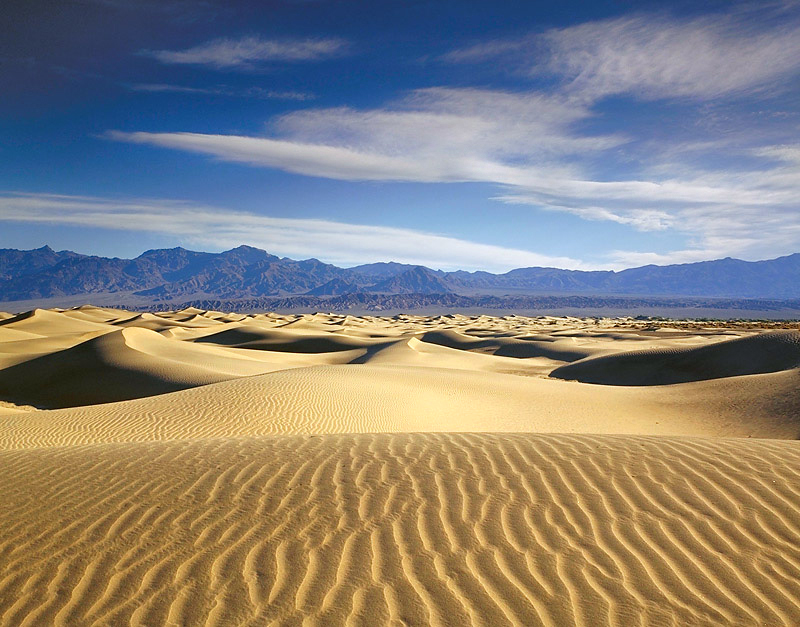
201	468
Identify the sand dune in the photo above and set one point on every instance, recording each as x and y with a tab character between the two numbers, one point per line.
220	469
124	364
45	322
561	350
160	323
292	341
369	399
8	334
768	352
97	314
403	529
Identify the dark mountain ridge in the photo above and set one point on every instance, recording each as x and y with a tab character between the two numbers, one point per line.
17	263
245	272
415	280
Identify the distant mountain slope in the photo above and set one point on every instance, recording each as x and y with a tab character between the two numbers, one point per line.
247	272
372	272
17	263
415	280
334	287
776	278
728	278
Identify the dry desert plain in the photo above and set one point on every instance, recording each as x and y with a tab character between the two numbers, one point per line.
195	467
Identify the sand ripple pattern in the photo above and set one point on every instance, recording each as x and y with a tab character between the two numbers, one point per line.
403	529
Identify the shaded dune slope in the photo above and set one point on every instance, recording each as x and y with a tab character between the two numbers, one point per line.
119	365
415	529
158	323
285	341
550	348
767	352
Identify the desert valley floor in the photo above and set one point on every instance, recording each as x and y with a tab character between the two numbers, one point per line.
196	467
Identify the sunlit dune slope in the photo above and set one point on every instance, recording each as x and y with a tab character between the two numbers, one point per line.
50	323
365	399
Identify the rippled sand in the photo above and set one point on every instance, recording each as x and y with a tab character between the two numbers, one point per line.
203	468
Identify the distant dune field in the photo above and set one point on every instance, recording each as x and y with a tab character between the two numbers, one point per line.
196	467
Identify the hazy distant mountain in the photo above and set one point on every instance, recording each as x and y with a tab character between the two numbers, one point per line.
729	278
247	272
776	278
16	263
382	270
415	280
334	287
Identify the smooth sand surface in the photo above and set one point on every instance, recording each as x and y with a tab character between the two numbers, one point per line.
772	351
197	467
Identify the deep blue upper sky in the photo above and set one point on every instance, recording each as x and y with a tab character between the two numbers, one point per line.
458	134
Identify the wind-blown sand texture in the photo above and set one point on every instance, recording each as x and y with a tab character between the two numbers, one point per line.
202	468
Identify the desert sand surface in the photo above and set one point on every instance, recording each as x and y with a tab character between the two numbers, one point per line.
197	467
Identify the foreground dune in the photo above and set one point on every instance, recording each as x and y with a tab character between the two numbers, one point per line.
411	529
220	469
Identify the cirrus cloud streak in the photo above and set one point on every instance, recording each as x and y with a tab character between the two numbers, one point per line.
656	56
334	242
248	52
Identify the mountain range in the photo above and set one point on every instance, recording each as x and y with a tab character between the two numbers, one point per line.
166	275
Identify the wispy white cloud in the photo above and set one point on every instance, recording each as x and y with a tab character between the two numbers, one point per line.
248	92
311	159
751	214
703	58
434	135
165	88
786	154
275	94
494	49
248	52
334	242
527	126
657	56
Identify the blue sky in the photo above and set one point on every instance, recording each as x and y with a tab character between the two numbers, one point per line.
457	134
